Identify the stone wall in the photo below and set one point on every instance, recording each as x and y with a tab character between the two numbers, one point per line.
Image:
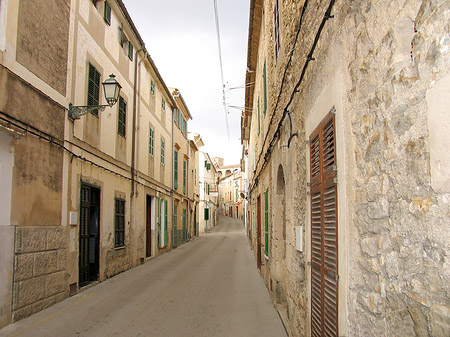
384	66
39	269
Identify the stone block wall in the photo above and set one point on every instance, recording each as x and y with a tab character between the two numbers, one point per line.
40	278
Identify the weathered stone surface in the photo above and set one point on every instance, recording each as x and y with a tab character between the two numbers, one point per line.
55	283
30	291
45	263
440	321
30	240
61	260
23	267
56	238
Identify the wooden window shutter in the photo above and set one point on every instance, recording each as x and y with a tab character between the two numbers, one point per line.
184	175
266	222
175	225
159	222
93	95
166	230
175	169
121	128
324	240
107	13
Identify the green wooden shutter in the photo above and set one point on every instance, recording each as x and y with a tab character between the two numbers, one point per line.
93	95
152	87
206	214
175	169
130	50
122	120
151	140
163	103
166	230
121	33
175	116
107	13
159	222
266	222
162	150
184	175
175	226
184	225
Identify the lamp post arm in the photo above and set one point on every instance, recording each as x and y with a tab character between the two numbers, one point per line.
76	112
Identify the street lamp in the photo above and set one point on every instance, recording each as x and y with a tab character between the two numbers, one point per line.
111	88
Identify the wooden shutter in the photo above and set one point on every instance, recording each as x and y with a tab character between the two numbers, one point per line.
84	235
175	225
107	13
166	229
93	96
175	169
159	222
206	215
266	222
121	128
324	247
184	176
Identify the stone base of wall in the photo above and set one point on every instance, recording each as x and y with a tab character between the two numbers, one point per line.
40	278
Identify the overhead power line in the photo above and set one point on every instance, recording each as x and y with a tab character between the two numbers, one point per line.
216	16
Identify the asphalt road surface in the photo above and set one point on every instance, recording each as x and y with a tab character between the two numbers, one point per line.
206	288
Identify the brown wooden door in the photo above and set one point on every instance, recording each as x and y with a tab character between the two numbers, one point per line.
324	247
258	233
148	227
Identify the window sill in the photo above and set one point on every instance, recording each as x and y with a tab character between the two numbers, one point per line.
266	257
120	247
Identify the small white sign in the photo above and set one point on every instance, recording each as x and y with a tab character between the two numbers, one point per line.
73	218
299	238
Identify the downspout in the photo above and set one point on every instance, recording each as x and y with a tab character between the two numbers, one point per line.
133	153
133	135
173	177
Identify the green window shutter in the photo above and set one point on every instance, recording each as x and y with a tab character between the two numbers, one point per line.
121	34
206	163
162	151
206	215
184	225
151	141
266	221
158	220
107	13
93	95
208	189
259	119
130	50
152	87
175	226
184	175
175	169
180	117
166	230
175	116
185	128
121	127
163	103
265	88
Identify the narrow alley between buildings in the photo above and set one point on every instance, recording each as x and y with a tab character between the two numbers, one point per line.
208	287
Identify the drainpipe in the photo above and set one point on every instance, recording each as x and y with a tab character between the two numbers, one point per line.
133	135
173	177
133	152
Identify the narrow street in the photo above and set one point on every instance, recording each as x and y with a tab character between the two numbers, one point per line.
208	287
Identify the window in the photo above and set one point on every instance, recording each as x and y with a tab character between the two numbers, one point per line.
107	13
119	223
175	169
184	175
93	95
151	141
276	20
121	128
162	223
175	225
265	88
130	50
206	214
163	103
266	222
152	87
175	116
324	234
162	151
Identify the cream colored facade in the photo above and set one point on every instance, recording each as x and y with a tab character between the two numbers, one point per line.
347	196
209	194
231	185
82	199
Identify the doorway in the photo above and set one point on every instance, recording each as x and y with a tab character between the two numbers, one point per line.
258	232
89	235
148	228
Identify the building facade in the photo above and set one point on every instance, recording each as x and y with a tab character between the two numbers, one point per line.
344	135
209	194
86	193
231	187
34	45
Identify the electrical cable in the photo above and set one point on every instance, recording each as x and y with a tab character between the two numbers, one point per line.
216	16
309	58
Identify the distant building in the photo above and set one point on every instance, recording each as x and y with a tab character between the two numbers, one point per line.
209	194
231	191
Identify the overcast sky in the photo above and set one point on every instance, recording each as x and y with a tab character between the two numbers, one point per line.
180	36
